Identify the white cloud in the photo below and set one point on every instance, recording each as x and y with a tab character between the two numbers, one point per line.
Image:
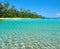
57	14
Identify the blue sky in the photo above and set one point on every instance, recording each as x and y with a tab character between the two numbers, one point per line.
47	8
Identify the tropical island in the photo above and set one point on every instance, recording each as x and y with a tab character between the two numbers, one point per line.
6	12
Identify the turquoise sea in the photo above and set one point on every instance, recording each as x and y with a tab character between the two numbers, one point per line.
30	34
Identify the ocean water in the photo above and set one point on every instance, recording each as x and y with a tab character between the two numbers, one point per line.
30	34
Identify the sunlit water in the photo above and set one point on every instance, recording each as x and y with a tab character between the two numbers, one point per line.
30	34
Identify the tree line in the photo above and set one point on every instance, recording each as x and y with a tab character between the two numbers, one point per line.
6	12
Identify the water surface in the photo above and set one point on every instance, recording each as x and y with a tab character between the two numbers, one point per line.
30	34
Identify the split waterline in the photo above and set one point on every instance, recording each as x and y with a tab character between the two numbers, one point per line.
30	33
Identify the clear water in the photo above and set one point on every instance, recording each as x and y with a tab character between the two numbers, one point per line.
30	34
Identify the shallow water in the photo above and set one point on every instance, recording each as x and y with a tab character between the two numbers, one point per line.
30	34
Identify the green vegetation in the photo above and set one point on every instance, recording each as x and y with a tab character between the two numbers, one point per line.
6	12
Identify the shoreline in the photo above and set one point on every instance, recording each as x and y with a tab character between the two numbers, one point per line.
27	18
14	18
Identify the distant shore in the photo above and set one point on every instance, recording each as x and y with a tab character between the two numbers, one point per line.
14	18
3	19
28	18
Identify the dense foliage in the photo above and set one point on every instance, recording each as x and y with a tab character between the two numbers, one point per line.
6	12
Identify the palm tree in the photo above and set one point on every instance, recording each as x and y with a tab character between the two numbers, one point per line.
13	12
1	8
5	9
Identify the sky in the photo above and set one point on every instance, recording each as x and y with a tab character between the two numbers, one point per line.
47	8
